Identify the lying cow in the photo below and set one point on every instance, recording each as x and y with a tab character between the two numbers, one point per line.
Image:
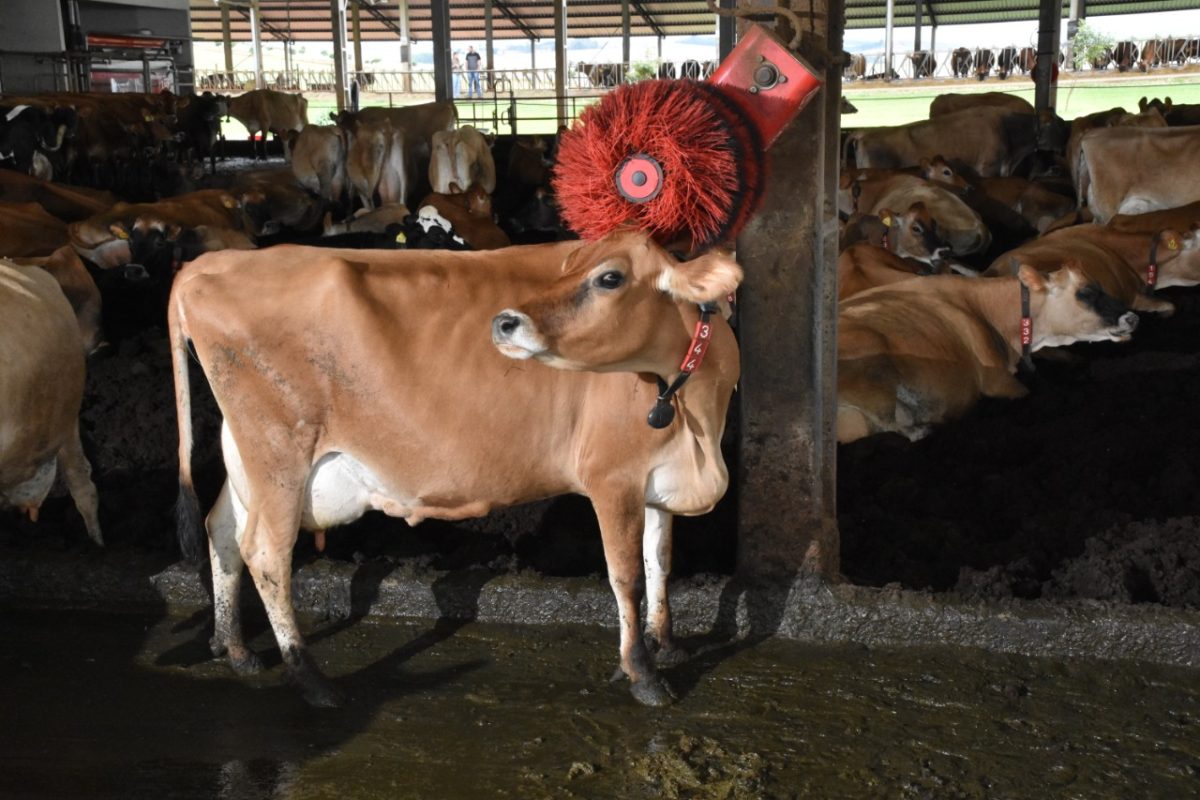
957	225
41	390
469	215
1184	218
27	230
341	376
864	266
1134	170
377	221
950	102
919	352
1118	262
68	203
461	158
912	234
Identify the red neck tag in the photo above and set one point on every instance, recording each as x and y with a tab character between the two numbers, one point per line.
698	347
1026	331
1151	274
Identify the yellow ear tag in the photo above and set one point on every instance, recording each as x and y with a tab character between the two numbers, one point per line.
1172	243
887	221
147	117
401	238
229	202
120	234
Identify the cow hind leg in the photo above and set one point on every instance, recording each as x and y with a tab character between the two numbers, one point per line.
621	522
77	474
656	555
226	522
267	550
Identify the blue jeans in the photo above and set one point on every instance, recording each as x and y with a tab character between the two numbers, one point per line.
473	84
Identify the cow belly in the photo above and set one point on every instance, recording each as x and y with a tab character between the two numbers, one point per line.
340	489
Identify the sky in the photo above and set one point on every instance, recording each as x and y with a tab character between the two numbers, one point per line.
515	54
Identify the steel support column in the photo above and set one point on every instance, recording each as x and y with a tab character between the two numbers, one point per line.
917	27
405	46
1044	72
726	31
887	40
256	39
443	73
624	38
227	39
787	514
356	27
488	42
337	21
560	59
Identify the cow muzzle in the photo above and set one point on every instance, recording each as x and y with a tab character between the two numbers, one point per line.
135	273
515	335
1126	325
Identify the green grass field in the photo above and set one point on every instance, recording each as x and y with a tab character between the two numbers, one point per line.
896	106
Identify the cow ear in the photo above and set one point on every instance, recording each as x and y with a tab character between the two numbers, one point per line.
119	230
173	232
1032	278
1167	104
1142	104
712	276
926	165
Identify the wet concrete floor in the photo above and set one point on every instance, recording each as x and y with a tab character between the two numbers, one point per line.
129	706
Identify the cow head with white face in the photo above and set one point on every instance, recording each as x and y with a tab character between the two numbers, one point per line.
1068	308
616	307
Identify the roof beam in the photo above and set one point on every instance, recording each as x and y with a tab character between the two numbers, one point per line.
514	19
641	9
387	21
278	34
929	11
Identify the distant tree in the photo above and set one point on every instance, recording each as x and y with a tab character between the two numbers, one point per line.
1088	44
641	70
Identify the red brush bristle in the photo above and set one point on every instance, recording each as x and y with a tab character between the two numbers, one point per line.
703	149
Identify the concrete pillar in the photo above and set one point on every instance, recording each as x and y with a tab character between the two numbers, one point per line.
337	19
1045	93
443	73
787	513
256	39
887	40
560	59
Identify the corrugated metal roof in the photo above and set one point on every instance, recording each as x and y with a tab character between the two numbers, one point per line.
309	20
873	13
517	19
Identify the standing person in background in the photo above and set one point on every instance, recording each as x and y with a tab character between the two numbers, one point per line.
455	74
473	59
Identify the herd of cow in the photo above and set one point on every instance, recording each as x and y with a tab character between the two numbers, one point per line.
407	365
1004	61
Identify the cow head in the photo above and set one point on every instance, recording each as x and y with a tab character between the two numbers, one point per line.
615	308
1184	268
914	234
152	246
1068	308
939	169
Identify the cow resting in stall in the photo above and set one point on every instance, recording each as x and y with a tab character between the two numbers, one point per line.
919	352
357	380
1135	170
41	390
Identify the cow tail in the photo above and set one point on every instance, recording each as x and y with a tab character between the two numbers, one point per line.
189	525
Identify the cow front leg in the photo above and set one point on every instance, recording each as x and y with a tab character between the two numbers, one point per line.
77	474
267	550
621	524
656	557
226	523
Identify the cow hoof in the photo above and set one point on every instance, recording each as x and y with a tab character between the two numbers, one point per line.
671	655
247	663
652	691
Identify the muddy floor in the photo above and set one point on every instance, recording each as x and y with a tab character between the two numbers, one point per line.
129	706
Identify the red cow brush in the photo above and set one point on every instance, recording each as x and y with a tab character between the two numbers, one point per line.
682	159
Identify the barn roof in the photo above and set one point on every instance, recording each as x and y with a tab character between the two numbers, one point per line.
308	20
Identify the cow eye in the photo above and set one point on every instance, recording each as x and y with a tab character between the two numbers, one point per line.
917	229
1088	293
609	280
